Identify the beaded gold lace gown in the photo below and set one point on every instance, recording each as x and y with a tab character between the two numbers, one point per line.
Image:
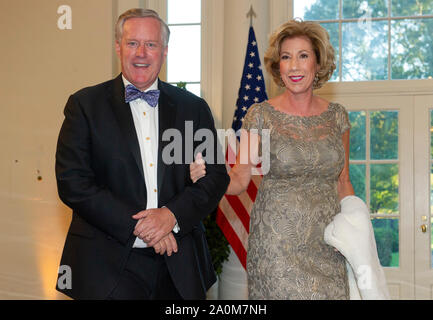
287	256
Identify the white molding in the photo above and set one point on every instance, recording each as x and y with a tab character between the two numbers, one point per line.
422	170
279	12
378	88
212	43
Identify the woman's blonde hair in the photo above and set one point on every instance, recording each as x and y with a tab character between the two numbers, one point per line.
322	47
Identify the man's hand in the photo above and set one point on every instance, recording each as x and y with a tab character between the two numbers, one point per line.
154	224
167	244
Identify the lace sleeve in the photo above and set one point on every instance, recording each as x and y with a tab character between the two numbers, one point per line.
343	119
254	119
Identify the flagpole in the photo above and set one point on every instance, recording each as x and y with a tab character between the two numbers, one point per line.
233	213
251	14
233	216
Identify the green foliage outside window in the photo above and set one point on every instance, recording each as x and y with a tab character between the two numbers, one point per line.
365	48
384	177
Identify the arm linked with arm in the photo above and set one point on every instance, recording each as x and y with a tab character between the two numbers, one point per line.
240	174
198	200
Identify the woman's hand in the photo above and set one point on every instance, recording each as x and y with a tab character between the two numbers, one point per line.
240	173
197	169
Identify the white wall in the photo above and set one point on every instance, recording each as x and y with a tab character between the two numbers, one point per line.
40	67
236	27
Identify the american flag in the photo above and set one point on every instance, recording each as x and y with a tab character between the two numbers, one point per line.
233	215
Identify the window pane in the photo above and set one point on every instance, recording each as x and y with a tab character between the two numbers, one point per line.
384	188
316	9
185	11
365	51
183	59
411	7
357	135
193	88
384	135
333	31
365	9
412	49
357	178
387	241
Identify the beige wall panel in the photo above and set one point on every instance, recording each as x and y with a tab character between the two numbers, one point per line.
41	66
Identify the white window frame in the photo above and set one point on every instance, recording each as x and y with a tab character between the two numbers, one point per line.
282	10
201	53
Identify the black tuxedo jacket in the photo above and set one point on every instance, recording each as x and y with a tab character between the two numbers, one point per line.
100	176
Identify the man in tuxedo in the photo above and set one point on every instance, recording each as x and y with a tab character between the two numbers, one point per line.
136	230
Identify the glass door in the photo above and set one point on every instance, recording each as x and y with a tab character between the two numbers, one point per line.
381	171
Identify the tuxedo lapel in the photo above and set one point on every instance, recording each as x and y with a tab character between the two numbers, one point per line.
123	114
167	117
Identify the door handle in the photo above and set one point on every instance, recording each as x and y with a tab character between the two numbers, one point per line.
424	228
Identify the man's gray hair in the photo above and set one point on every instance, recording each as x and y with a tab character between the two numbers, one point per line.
141	13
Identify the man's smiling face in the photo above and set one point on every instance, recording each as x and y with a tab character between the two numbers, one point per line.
141	51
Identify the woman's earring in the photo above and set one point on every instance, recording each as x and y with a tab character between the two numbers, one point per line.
282	82
316	81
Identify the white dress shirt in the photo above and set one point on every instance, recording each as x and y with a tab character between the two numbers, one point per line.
146	125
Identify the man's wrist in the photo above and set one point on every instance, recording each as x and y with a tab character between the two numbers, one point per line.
176	227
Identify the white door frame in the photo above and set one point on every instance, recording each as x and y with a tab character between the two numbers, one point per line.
422	213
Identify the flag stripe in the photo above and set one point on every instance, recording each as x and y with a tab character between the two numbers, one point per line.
232	237
252	191
246	201
234	221
241	213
